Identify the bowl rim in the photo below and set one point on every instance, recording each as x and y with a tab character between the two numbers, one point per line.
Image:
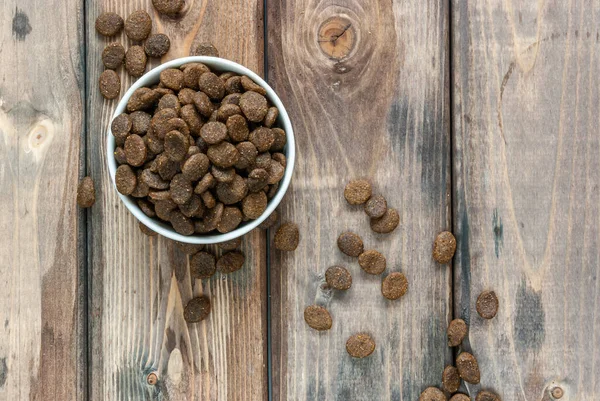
152	77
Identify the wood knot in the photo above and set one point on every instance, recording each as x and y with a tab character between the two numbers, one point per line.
152	379
557	392
337	37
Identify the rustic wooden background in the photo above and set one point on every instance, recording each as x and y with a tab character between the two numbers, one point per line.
477	116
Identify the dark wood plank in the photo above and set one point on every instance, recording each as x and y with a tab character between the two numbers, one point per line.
366	85
42	246
140	285
527	147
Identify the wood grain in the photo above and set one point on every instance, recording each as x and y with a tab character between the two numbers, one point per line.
42	245
526	152
139	285
366	85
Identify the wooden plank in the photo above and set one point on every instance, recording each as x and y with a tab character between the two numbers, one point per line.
527	147
366	85
140	285
42	248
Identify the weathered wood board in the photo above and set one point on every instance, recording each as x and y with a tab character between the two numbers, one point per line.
42	248
139	285
366	85
526	199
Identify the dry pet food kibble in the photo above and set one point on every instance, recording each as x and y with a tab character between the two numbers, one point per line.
202	265
138	25
487	304
113	55
372	262
360	345
86	194
204	49
231	262
287	237
386	223
486	396
432	394
460	397
189	249
357	192
109	24
157	45
394	286
457	331
110	84
376	206
450	379
444	247
338	277
231	245
317	317
197	309
350	243
468	367
199	156
168	7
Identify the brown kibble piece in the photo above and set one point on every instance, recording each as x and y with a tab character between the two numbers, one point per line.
186	96
212	85
317	317
153	180
140	122
146	207
250	85
450	379
197	309
237	128
120	155
254	106
468	367
276	172
338	277
192	118
257	180
202	265
394	285
141	99
223	155
172	78
204	49
279	140
188	249
135	61
457	331
208	199
164	208
141	188
168	7
145	230
488	396
376	206
232	192
195	167
227	110
203	104
208	181
125	179
169	101
350	243
109	84
113	55
247	153
262	138
157	45
176	146
460	397
280	158
487	304
166	167
193	208
213	132
254	205
121	127
230	220
191	75
159	195
109	24
231	245
223	174
372	262
271	117
231	262
432	394
269	221
233	84
360	345
181	189
180	223
287	237
357	192
138	25
86	193
135	150
263	160
232	98
386	223
444	247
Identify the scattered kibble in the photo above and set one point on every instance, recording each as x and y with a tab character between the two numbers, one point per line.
457	331
109	24
386	223
317	317
189	249
357	192
444	247
468	368
460	397
376	206
109	84
486	396
113	55
432	394
287	237
197	309
338	277
202	265
157	45
450	379
487	304
394	286
231	245
135	63
230	262
350	243
168	7
86	193
372	262
138	25
204	49
360	345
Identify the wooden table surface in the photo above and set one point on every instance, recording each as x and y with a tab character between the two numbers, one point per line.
480	117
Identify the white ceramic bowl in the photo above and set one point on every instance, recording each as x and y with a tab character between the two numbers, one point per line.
216	64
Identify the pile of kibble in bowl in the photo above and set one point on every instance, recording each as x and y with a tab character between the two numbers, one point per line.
199	150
